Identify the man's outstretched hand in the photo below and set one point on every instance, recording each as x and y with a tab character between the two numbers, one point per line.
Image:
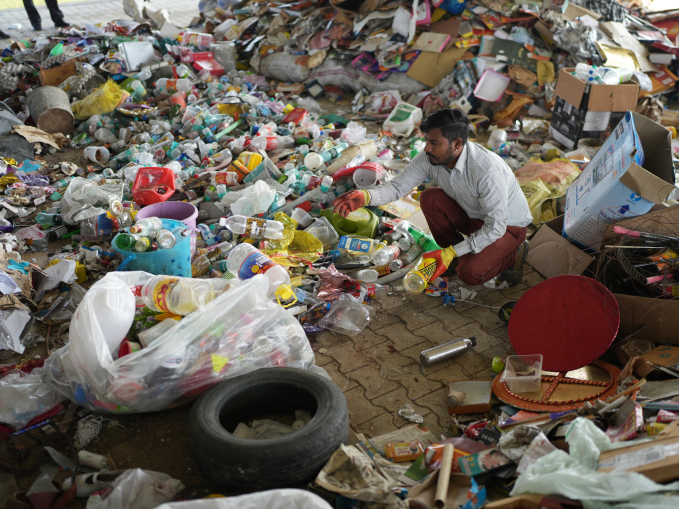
346	203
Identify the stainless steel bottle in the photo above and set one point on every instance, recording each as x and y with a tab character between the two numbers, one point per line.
447	350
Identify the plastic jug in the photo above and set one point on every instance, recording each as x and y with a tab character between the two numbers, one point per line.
361	222
403	119
153	185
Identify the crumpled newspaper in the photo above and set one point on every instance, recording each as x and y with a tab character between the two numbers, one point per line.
352	474
514	443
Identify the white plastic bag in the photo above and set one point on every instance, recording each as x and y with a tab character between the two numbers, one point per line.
24	396
273	499
284	67
348	315
354	132
238	332
137	489
84	199
575	476
250	201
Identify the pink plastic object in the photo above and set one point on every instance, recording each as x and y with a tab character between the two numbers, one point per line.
625	231
206	60
346	172
153	185
177	210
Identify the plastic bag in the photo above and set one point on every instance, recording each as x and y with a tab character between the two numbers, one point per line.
273	247
84	199
138	489
24	396
543	184
103	100
575	475
250	201
272	499
236	333
354	132
305	248
382	102
348	316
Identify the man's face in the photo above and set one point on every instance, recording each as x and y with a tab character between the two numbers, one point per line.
439	150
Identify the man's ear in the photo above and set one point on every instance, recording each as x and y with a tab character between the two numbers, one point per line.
458	145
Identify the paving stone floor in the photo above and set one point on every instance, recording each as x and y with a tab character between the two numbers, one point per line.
379	370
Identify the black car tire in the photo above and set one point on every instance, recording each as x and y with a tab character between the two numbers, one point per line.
292	460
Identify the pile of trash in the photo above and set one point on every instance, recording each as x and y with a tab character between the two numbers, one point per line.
167	223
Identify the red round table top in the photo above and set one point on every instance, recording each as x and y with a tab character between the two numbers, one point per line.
570	320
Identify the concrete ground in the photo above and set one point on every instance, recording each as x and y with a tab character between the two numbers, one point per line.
92	11
379	370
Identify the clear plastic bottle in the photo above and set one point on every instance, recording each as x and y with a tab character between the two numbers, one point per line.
246	261
165	239
334	152
367	275
167	86
142	245
105	136
147	226
385	255
326	183
253	227
412	254
417	279
178	295
201	264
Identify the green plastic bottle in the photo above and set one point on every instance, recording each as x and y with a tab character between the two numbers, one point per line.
127	241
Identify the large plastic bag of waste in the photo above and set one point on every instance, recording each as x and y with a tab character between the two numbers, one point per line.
138	489
543	184
285	67
103	100
84	199
238	332
272	499
343	75
575	476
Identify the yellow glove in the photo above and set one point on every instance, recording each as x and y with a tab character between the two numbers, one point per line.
444	257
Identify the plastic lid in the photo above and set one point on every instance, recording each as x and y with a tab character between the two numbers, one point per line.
473	340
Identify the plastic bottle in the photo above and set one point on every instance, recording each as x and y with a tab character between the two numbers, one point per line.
147	226
326	183
166	86
385	255
367	275
142	245
253	227
178	295
273	142
617	76
165	239
334	152
201	264
105	136
246	261
143	75
127	241
416	280
45	220
375	290
357	244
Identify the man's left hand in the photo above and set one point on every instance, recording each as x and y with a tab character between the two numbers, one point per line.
444	257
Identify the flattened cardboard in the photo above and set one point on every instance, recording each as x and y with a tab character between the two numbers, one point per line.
665	356
431	68
552	255
570	11
638	458
450	27
431	42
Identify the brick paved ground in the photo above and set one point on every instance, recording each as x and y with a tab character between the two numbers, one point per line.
94	11
379	370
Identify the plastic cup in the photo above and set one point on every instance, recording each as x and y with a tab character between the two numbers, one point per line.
301	216
98	155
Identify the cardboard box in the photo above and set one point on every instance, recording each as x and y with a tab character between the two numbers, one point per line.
657	460
660	316
614	185
552	255
478	394
588	111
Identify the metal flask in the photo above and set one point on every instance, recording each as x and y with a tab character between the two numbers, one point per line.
447	351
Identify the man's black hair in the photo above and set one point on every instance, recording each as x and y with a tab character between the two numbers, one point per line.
452	122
